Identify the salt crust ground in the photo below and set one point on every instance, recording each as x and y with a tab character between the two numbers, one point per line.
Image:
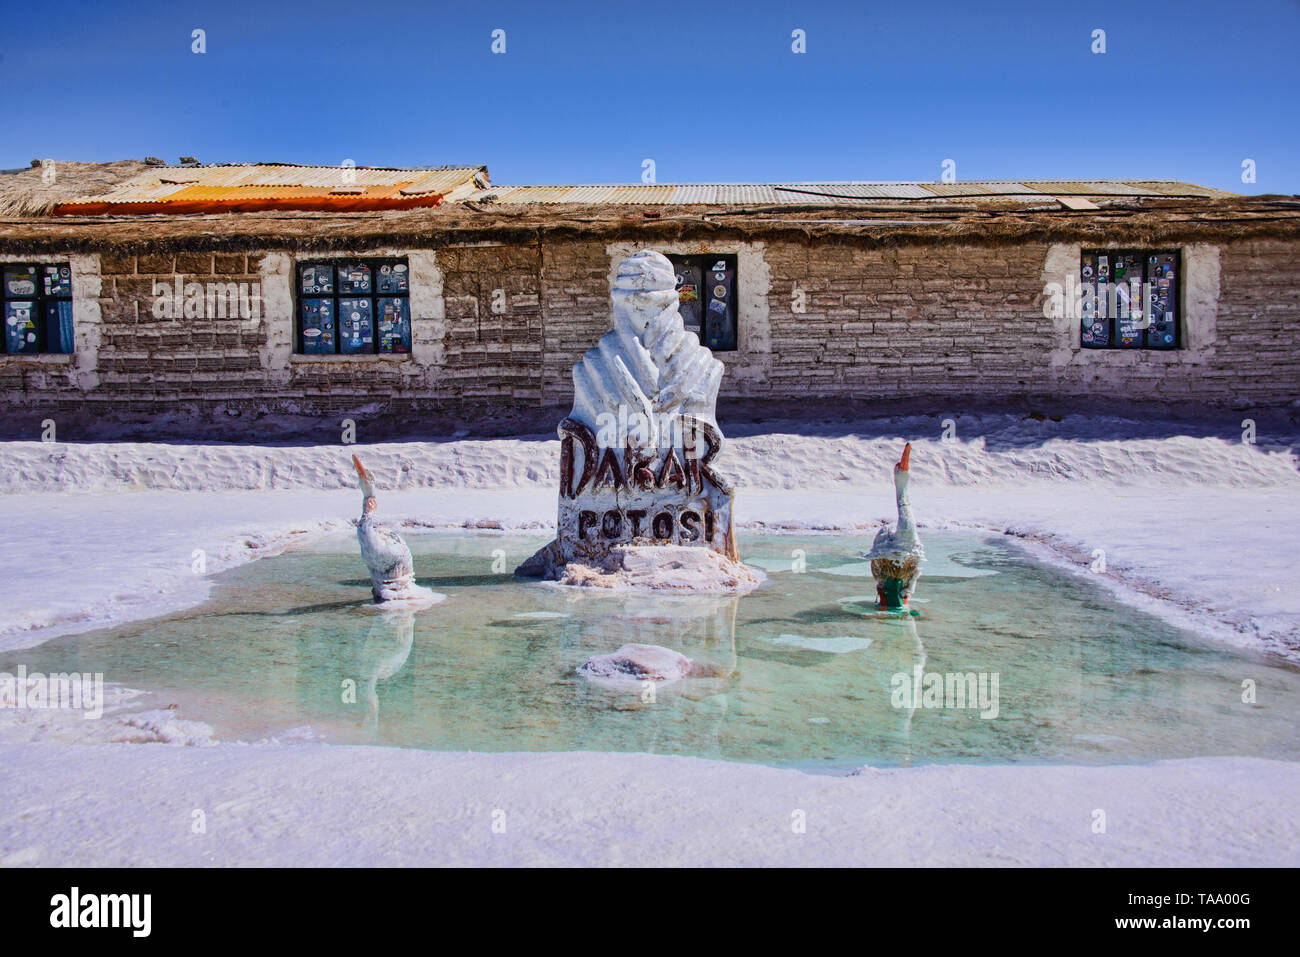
321	805
1199	529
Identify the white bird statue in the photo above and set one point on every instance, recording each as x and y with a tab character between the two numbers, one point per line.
392	574
896	554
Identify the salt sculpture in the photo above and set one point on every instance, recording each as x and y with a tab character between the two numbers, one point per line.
636	663
392	574
896	554
641	503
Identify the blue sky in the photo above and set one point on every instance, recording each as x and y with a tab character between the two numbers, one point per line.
710	91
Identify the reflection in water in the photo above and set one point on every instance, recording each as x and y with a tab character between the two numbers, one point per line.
701	627
381	656
918	660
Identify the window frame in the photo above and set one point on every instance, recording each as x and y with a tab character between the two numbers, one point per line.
1145	255
39	298
733	263
334	262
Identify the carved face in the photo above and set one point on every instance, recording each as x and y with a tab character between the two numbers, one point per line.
645	286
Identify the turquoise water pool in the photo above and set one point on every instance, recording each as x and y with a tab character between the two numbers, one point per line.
802	671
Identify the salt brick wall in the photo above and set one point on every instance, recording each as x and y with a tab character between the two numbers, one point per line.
956	321
939	321
145	362
918	321
489	355
1257	350
576	311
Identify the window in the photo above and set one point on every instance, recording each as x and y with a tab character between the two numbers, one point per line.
706	290
1130	299
354	307
37	301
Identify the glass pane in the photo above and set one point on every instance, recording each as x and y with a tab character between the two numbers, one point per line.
58	326
316	280
1126	288
1162	295
720	314
58	280
354	279
1094	331
20	280
20	326
317	326
393	277
689	285
394	325
357	327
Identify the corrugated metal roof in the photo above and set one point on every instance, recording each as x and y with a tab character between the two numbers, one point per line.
723	193
447	181
262	186
802	192
1174	188
981	188
282	186
524	194
707	193
1088	188
636	193
832	193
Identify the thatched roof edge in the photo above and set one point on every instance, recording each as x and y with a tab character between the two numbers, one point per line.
1178	222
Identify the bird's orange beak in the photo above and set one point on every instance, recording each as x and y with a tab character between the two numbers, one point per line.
907	456
361	469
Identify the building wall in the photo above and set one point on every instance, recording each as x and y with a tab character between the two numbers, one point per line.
145	361
504	324
964	321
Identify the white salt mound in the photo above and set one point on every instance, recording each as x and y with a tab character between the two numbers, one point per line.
635	663
165	727
674	568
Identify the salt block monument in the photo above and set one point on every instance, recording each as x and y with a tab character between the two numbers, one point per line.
641	502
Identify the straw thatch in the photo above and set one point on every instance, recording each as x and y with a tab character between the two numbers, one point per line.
25	192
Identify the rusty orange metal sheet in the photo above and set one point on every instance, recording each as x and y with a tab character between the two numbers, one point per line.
246	188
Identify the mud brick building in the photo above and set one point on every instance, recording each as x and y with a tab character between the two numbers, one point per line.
385	293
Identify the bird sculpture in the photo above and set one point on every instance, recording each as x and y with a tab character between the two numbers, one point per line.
896	554
392	574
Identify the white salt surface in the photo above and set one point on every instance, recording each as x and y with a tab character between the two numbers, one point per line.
312	804
1201	530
